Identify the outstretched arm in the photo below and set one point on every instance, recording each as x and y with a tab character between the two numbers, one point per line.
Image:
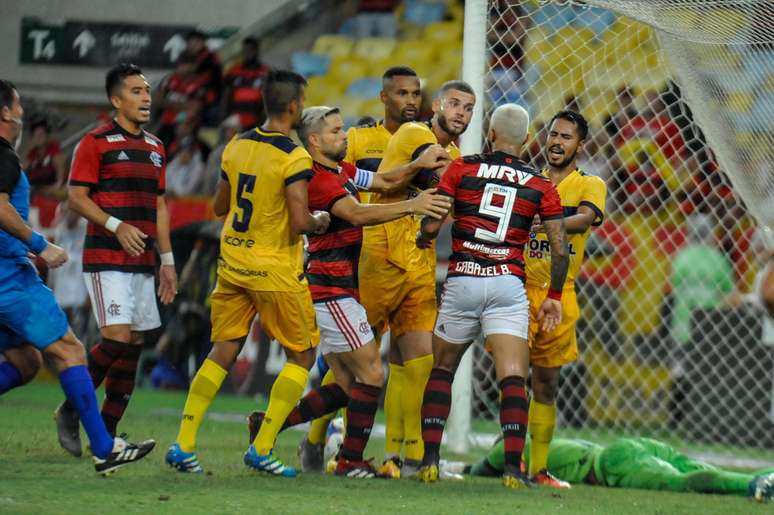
427	203
433	157
13	224
551	310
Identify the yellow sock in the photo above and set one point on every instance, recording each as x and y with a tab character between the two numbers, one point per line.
320	425
417	373
393	410
203	388
542	420
285	394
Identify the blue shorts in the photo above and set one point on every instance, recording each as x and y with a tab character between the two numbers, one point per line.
28	310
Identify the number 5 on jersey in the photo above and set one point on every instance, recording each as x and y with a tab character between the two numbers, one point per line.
502	212
245	185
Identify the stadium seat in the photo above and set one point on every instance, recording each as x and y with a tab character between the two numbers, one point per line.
333	45
739	101
416	52
443	32
345	69
350	106
367	87
308	64
321	89
373	107
596	19
374	48
422	12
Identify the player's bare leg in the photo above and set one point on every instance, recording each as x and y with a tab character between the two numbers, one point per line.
363	373
436	404
205	385
416	349
26	361
511	358
542	420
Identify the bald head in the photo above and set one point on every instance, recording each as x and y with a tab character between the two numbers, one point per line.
509	126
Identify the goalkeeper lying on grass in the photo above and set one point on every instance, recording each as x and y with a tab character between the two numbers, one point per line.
636	463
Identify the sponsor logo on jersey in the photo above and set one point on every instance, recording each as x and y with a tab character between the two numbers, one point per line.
486	171
236	241
155	158
115	138
539	249
499	253
122	156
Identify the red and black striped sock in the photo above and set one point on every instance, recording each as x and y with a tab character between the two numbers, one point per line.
119	386
102	356
316	403
513	419
436	405
363	403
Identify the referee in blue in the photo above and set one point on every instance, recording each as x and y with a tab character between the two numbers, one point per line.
31	322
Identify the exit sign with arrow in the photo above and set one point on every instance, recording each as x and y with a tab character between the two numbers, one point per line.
104	44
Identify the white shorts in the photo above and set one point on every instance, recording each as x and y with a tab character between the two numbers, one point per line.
119	298
489	305
343	325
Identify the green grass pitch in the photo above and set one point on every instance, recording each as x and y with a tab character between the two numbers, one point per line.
37	477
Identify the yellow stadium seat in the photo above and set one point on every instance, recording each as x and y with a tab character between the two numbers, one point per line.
374	48
416	51
321	89
443	31
345	70
350	106
740	101
373	107
725	23
597	103
333	45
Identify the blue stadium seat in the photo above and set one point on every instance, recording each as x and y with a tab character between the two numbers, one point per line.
596	19
421	12
367	87
309	64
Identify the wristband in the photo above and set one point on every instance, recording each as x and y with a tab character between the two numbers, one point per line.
555	295
168	259
112	224
38	243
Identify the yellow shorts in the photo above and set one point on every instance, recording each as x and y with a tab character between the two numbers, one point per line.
285	316
560	346
396	299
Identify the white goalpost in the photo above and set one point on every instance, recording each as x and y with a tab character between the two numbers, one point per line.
679	95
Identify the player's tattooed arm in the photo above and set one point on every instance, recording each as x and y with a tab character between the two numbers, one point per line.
560	257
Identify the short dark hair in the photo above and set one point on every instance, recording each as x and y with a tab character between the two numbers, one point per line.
398	71
581	125
6	93
459	85
116	75
279	89
251	40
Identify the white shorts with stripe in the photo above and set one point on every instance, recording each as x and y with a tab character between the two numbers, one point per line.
343	325
119	298
482	305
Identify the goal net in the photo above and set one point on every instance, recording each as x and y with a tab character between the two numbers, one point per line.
679	96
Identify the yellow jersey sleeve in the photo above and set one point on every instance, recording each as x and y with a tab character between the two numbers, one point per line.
352	145
406	144
298	167
593	196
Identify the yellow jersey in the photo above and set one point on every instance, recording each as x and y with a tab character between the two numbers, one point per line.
396	240
365	146
258	250
575	190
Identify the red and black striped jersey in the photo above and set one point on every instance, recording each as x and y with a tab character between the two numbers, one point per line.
496	196
245	95
333	256
125	175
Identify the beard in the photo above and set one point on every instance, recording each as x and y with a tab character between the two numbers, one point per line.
336	155
564	162
448	130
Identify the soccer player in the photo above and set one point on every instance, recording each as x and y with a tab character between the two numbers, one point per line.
117	184
365	149
398	279
30	320
347	340
263	193
641	463
495	197
583	201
